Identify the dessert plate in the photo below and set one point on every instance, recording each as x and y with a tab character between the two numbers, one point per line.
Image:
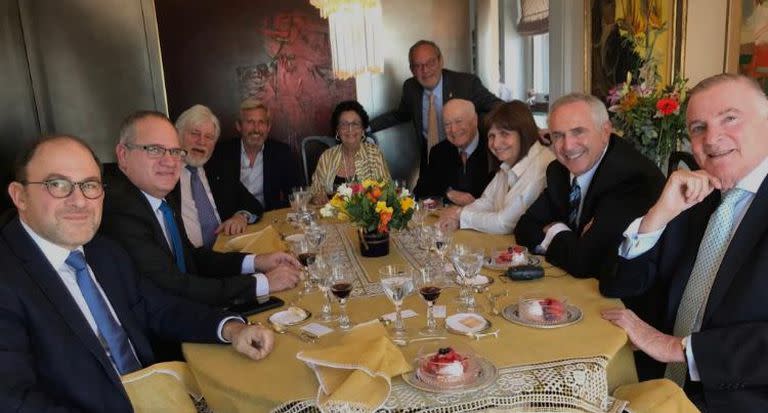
491	264
480	281
485	376
572	316
466	323
290	317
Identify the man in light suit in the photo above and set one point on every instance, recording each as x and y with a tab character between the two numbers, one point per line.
429	78
212	202
73	314
598	184
265	166
701	250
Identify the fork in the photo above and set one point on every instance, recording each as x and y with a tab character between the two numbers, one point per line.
304	336
478	336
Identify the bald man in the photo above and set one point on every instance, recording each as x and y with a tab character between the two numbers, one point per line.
458	166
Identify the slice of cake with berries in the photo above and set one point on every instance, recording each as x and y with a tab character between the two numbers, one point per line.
446	366
538	309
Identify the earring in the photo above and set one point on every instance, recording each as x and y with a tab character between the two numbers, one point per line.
337	137
362	138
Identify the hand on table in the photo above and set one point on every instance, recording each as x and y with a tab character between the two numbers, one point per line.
450	217
659	346
233	226
268	262
283	277
683	190
460	198
253	341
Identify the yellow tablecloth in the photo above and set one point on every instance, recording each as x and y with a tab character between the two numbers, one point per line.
232	383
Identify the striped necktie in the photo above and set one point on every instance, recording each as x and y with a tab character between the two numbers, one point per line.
205	213
574	199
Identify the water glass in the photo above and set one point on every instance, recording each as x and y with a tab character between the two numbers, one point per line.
467	262
397	284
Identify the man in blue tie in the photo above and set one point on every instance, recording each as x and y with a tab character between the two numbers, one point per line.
74	315
212	201
701	251
141	212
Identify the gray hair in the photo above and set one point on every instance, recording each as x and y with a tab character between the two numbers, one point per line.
128	127
721	78
596	106
195	116
251	104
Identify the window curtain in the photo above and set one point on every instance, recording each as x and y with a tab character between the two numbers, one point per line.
534	17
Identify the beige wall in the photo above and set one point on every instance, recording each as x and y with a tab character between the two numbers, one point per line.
705	39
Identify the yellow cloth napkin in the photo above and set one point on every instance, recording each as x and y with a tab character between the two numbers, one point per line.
261	242
655	396
356	374
162	387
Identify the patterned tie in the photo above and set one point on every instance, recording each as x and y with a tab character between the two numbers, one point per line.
119	348
711	251
574	199
173	234
464	157
205	213
433	134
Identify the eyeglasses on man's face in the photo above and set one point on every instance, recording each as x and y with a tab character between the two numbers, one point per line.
428	65
62	187
158	151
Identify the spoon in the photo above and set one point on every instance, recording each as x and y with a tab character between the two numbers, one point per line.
404	342
478	336
303	335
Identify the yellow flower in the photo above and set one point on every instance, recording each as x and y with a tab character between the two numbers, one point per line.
406	204
342	216
381	206
337	202
369	183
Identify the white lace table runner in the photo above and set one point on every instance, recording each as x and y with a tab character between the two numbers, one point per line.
572	385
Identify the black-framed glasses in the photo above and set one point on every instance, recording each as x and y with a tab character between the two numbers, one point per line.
158	151
62	188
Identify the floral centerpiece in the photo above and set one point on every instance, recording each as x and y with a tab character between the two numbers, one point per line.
374	207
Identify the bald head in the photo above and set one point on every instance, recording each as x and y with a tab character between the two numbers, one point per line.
460	122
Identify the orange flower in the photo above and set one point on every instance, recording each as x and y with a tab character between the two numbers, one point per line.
667	106
384	219
628	101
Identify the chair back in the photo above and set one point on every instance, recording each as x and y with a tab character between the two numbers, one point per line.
311	149
677	157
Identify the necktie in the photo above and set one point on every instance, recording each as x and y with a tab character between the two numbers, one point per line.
173	234
433	135
463	156
574	199
205	214
711	251
119	347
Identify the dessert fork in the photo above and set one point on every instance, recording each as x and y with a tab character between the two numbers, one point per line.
478	336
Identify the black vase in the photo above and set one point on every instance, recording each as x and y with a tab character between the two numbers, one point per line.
373	244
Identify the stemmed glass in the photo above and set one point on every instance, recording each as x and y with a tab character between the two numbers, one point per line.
428	281
306	257
324	268
467	262
341	287
441	239
397	284
315	235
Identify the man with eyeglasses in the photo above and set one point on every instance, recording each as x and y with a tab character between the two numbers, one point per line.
142	213
265	166
427	91
74	315
212	201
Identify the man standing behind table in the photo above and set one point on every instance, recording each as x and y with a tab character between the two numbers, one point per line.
206	196
703	246
597	186
458	167
265	166
142	213
425	94
74	315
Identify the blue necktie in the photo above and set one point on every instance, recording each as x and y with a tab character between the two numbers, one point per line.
119	347
205	213
574	199
173	234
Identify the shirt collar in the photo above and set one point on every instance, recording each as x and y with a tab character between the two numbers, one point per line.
755	178
524	163
244	159
154	202
586	178
55	254
437	90
472	145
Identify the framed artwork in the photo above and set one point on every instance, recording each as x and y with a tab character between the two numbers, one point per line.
747	45
657	27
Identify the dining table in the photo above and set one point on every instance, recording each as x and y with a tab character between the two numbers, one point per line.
572	368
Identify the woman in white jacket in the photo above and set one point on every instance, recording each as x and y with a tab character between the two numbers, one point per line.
513	139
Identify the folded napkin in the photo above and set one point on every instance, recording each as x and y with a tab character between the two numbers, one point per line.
655	396
261	242
355	376
162	387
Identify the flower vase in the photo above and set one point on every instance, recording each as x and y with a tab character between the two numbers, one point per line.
373	244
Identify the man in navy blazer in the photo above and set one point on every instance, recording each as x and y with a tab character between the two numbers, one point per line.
426	63
702	251
226	207
69	331
265	166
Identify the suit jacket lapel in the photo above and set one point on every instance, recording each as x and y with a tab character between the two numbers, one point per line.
46	277
602	180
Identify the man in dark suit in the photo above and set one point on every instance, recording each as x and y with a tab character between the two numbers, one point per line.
265	166
458	166
430	79
73	314
702	246
212	202
597	186
141	212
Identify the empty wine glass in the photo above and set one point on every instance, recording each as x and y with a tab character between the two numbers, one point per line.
467	262
397	284
324	269
341	288
429	282
315	236
441	239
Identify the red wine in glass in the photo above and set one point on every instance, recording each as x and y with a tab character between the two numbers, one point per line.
306	258
341	290
430	293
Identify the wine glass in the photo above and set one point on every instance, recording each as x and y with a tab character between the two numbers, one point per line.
441	239
428	281
467	262
341	288
397	284
323	268
316	235
306	257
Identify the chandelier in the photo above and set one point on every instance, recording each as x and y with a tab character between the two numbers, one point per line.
354	30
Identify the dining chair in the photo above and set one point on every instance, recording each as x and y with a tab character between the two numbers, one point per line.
311	149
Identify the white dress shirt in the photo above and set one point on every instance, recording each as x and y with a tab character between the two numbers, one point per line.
584	180
189	209
252	176
636	244
509	194
247	267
